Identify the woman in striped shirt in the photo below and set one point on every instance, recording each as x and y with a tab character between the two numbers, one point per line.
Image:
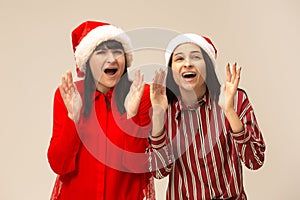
202	132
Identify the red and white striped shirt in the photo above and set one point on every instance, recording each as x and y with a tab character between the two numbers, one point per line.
200	153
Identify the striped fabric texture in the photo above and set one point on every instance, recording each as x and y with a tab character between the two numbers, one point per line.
200	153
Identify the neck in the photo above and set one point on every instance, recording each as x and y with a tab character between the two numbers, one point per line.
102	88
190	97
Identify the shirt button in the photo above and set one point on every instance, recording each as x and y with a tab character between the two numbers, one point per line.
206	185
203	165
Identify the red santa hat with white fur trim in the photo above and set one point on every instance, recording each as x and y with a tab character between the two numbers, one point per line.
89	34
204	42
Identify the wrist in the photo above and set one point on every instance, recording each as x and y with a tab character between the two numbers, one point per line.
131	114
158	110
74	118
229	111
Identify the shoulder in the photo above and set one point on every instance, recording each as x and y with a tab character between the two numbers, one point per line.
241	95
242	101
242	92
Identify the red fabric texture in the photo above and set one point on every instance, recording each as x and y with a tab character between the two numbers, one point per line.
211	43
103	156
82	30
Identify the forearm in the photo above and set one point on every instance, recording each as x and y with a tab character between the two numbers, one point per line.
161	157
63	148
65	141
158	120
236	124
248	139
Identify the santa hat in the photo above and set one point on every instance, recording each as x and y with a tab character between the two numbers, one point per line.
89	34
204	42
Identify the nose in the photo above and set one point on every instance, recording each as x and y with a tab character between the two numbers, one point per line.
110	57
187	63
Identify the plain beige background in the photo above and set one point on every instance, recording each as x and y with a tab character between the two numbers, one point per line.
263	36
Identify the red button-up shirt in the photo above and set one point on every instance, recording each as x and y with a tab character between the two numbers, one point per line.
103	156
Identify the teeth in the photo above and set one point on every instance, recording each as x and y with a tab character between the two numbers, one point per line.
188	73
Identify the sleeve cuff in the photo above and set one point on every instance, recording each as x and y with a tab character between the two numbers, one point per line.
241	137
158	141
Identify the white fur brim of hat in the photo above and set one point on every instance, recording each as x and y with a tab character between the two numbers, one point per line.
98	35
190	38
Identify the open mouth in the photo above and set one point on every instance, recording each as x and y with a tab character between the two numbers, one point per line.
188	75
110	71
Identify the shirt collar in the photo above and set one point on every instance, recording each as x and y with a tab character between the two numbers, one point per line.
204	101
108	94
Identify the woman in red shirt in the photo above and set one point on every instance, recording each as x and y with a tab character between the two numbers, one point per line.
96	149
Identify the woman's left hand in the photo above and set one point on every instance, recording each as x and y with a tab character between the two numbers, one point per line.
228	90
133	98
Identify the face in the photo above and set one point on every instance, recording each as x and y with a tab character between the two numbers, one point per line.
107	66
188	67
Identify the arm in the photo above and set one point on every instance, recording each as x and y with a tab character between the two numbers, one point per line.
243	125
65	142
249	140
160	154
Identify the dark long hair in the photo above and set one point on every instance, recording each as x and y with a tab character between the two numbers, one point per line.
121	89
212	83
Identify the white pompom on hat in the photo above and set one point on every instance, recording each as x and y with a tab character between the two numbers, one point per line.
204	42
89	34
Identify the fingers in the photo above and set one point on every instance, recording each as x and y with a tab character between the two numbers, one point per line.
63	86
162	76
228	73
158	85
70	83
137	78
233	74
159	77
141	82
155	78
67	84
138	81
237	78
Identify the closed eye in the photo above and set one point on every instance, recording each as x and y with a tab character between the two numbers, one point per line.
179	58
196	56
101	52
118	52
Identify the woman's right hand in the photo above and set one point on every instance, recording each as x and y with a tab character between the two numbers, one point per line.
158	95
159	103
71	97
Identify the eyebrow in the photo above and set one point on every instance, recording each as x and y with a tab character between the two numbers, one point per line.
190	52
106	49
178	53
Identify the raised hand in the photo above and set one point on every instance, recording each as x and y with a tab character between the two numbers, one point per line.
159	102
70	96
158	91
133	98
228	90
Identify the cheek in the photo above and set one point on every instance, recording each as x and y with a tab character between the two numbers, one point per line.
176	75
121	65
96	71
201	67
